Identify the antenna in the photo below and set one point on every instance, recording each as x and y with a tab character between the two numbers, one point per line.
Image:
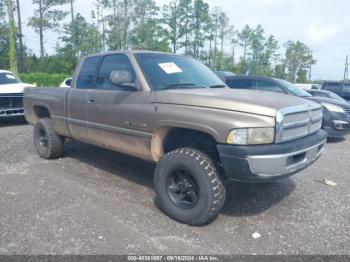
346	71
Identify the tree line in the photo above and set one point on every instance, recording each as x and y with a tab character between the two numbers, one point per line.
189	27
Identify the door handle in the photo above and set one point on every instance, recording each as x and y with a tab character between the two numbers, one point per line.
91	100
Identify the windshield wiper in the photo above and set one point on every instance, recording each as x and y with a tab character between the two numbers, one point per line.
218	86
181	86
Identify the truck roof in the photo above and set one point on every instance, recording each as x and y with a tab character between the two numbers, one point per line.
130	52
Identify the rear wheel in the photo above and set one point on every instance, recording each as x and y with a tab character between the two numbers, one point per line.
48	143
188	187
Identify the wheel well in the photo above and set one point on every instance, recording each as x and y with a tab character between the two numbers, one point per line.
41	112
182	137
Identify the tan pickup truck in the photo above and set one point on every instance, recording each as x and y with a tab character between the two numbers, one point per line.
174	111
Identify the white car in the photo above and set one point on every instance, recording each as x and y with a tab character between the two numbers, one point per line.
66	83
11	94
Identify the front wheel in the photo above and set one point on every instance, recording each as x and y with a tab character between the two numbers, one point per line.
48	143
188	187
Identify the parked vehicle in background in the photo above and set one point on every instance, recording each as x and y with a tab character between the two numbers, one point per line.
175	111
342	89
66	83
325	94
308	86
224	74
336	120
11	94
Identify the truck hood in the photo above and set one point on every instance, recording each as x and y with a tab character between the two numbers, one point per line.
248	101
17	88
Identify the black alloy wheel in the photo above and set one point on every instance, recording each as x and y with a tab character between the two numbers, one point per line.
182	188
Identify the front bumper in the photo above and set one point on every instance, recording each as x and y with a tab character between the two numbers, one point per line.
265	163
11	105
336	124
11	112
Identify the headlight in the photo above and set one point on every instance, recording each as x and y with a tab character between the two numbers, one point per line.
333	108
251	136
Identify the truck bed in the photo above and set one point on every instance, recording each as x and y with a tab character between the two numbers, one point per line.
46	97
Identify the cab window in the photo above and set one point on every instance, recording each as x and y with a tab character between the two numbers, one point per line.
109	64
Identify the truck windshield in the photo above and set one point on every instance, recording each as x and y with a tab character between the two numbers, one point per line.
166	71
8	78
335	96
297	91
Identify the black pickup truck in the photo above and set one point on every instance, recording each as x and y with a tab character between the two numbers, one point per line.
340	88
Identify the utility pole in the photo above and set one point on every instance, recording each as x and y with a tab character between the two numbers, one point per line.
126	23
12	36
310	68
41	31
20	37
310	73
346	71
71	10
73	28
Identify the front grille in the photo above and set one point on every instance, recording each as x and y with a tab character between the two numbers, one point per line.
347	110
11	112
9	101
297	122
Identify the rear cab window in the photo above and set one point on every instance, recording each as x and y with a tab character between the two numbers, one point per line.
85	79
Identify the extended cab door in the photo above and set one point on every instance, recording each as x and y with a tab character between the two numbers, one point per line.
118	116
77	98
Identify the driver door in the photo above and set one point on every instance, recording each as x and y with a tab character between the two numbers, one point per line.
117	115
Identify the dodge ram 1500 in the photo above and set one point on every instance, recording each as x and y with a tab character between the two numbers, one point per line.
176	112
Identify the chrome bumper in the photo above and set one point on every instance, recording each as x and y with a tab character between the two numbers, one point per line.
281	164
11	112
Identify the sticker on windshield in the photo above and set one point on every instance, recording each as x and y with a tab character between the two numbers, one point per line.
170	68
10	76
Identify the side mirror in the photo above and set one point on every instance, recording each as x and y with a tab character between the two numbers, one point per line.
123	79
120	77
68	82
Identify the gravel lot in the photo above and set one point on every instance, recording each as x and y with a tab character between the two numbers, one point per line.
94	201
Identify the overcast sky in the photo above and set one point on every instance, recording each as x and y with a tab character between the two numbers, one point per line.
322	25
